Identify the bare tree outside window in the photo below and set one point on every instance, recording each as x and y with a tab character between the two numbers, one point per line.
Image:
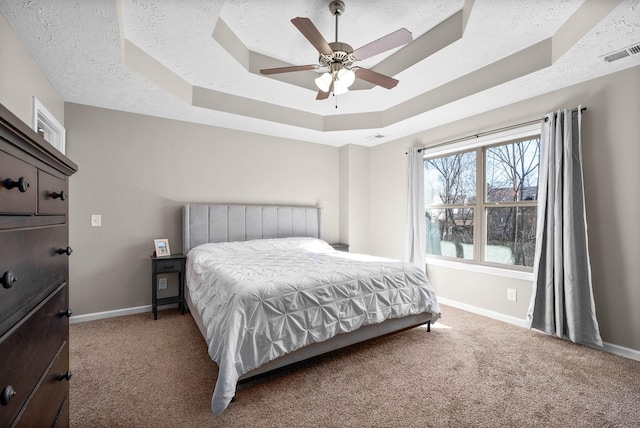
450	183
512	180
512	171
496	186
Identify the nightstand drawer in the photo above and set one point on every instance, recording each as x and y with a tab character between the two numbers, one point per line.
168	266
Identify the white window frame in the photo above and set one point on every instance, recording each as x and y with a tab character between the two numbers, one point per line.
46	125
480	144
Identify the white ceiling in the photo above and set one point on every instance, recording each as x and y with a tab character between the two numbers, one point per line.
197	60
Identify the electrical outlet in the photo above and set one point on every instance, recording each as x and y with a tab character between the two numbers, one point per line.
511	294
162	283
96	220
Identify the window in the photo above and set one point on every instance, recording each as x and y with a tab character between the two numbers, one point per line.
47	126
481	202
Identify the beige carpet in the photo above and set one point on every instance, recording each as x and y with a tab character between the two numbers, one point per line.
471	371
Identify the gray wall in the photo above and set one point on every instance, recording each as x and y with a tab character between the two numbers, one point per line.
611	135
354	197
136	171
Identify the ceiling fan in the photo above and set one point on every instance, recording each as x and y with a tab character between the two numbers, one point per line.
338	59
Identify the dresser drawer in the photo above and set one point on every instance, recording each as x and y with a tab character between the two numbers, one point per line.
62	420
52	194
29	257
27	350
20	199
45	404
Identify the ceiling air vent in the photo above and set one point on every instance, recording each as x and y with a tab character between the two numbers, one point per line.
616	56
634	49
376	137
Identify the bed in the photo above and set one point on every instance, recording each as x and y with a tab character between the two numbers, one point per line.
266	292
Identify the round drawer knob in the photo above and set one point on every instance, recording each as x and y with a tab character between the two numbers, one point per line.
62	195
8	279
66	251
7	394
65	376
21	184
65	313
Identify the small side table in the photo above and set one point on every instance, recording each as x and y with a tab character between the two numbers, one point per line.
174	263
341	247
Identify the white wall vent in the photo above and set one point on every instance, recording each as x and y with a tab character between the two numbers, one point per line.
623	53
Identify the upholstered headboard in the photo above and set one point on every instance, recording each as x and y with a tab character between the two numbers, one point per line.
205	223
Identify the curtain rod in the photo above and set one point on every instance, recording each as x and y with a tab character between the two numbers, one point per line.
482	134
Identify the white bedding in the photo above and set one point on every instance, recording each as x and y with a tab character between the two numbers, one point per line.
262	299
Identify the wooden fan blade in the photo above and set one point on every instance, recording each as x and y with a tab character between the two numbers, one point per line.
312	34
267	71
390	41
324	95
376	78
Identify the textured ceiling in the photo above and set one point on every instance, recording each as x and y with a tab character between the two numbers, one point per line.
198	60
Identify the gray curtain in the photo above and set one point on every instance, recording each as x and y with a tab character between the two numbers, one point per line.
562	301
415	228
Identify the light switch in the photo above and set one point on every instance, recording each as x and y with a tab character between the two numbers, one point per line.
96	220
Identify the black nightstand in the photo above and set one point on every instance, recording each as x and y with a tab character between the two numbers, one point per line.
174	263
341	247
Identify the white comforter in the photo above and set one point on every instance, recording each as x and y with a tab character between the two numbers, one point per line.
262	299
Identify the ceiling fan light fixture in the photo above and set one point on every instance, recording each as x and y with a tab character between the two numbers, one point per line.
340	57
346	77
339	88
324	82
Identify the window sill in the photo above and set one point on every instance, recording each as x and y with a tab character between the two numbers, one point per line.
489	270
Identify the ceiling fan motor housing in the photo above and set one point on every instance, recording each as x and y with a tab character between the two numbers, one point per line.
341	54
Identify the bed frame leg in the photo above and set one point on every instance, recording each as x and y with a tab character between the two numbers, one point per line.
428	326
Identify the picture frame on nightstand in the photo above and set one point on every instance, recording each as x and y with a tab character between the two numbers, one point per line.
162	247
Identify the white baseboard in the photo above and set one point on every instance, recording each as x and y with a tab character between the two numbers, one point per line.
607	347
109	314
487	313
622	351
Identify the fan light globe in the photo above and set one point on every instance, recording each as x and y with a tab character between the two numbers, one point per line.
346	77
339	88
324	82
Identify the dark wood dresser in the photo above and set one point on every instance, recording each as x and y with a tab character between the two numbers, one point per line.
34	272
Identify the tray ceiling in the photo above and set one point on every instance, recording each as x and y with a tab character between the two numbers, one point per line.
198	60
